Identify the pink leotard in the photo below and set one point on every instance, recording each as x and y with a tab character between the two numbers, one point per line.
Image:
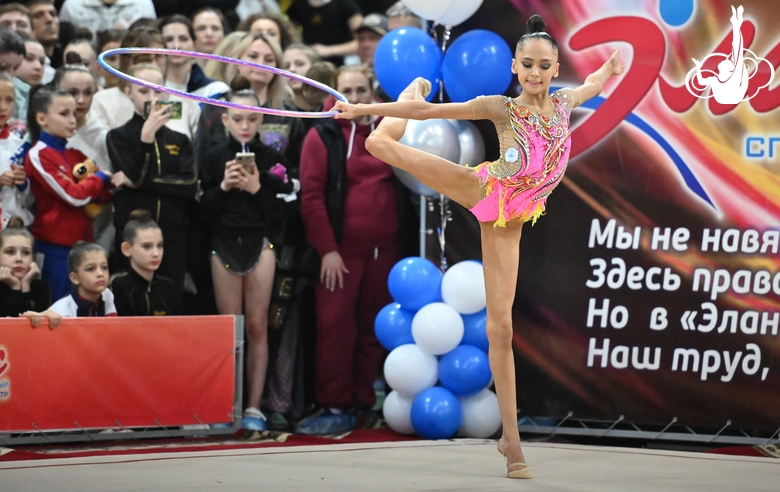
534	153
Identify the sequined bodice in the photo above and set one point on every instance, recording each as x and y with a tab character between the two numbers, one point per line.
532	145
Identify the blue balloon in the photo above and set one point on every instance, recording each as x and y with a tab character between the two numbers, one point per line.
393	326
477	64
465	370
436	413
404	54
676	12
415	282
475	330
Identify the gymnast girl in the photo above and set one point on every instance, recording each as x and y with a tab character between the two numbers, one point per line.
60	219
534	137
157	174
240	200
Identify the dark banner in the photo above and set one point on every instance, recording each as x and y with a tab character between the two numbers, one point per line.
650	288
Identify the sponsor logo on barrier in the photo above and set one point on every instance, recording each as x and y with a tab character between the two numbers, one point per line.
730	84
5	384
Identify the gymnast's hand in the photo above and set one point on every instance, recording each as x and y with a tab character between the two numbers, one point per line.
346	111
617	63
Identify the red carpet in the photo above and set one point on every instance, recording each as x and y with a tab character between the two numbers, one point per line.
239	441
768	451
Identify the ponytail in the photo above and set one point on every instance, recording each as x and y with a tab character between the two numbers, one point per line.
40	100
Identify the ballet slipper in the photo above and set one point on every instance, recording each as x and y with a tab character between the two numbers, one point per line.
418	89
515	470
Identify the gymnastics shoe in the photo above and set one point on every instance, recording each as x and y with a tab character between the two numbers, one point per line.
254	419
515	470
326	423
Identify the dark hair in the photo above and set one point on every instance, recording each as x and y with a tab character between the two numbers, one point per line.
240	83
177	19
536	30
287	34
27	37
73	63
110	35
141	37
242	94
15	227
11	42
81	35
39	101
203	10
139	220
16	7
79	250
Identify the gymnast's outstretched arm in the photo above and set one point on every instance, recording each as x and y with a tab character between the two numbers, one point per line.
416	109
594	83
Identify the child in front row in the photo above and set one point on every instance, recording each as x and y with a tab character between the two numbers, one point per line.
20	288
139	290
88	273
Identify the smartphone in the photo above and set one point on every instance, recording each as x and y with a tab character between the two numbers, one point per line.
246	159
174	105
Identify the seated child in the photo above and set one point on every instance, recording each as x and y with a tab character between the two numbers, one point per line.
88	273
139	290
20	288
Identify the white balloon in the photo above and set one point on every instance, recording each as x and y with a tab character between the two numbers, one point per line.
463	287
429	9
437	328
409	370
481	415
397	411
459	11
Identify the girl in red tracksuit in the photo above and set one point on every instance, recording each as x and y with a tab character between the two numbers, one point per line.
357	249
60	220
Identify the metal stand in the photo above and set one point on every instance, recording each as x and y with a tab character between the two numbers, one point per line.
621	428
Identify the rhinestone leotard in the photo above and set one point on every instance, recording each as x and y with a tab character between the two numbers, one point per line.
534	153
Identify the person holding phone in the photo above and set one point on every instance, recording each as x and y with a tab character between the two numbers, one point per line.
158	174
241	180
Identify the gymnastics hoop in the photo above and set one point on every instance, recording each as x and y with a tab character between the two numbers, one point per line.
216	102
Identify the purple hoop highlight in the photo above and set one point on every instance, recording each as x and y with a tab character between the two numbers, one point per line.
215	102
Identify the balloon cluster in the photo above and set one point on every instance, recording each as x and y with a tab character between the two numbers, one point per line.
435	332
476	64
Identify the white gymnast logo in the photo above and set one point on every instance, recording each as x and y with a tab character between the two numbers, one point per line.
730	84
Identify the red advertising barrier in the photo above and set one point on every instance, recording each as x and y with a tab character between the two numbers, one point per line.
95	372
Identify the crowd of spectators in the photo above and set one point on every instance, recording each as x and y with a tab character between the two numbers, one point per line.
116	199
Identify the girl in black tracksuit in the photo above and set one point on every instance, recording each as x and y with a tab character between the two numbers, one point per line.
159	176
247	213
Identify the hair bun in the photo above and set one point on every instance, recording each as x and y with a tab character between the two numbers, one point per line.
15	222
536	24
73	58
141	215
240	83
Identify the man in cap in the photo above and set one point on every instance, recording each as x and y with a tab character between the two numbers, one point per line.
368	34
